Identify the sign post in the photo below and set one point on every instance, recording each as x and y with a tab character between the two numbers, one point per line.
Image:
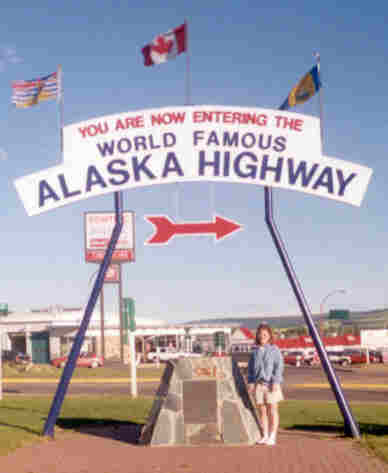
80	337
219	342
98	229
112	275
1	364
351	426
3	309
129	315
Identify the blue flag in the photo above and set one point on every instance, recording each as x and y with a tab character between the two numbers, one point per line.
306	88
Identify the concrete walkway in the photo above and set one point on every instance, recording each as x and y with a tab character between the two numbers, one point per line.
110	450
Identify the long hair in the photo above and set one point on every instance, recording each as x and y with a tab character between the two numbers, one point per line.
268	329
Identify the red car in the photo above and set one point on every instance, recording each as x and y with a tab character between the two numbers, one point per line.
87	360
359	356
376	356
295	358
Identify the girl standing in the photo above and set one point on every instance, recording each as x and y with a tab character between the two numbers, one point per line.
265	375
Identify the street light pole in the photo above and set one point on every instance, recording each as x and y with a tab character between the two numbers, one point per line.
336	291
102	316
339	291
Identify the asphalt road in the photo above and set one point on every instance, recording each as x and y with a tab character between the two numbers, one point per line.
306	383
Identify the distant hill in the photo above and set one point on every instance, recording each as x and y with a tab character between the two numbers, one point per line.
253	322
377	318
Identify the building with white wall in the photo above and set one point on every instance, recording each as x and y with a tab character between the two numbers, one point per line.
47	334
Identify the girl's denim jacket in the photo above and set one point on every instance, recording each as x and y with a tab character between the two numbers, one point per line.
266	365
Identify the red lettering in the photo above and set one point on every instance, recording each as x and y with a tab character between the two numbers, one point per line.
291	123
135	122
129	122
298	124
228	117
93	130
82	131
217	116
236	117
197	117
167	118
119	125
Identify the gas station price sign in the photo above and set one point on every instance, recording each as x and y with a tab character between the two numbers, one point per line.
98	230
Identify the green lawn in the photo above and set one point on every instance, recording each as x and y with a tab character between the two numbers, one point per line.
22	418
325	418
49	371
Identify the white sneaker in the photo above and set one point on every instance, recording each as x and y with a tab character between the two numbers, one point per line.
262	440
271	441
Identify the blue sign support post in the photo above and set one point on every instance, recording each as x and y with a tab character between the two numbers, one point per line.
351	426
79	339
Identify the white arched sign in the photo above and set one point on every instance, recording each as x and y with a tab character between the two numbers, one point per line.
198	143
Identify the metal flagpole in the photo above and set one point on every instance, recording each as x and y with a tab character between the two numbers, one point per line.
60	107
318	58
187	102
188	82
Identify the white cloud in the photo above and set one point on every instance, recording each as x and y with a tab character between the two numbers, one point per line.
8	55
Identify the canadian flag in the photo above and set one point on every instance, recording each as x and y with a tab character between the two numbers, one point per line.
165	46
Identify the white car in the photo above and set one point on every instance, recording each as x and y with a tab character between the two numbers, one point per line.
166	354
339	358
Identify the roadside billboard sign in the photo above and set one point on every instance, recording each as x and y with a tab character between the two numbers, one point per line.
98	230
339	314
112	274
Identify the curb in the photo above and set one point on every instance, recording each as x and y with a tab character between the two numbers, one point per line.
79	380
354	386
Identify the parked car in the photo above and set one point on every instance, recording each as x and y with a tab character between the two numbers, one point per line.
376	356
311	358
357	356
219	353
88	360
22	359
16	357
384	355
294	358
339	357
166	354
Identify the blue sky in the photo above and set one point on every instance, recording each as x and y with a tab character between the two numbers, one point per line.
241	53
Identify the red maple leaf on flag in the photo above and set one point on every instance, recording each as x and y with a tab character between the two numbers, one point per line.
162	45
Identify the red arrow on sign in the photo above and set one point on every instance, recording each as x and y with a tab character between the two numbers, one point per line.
166	228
